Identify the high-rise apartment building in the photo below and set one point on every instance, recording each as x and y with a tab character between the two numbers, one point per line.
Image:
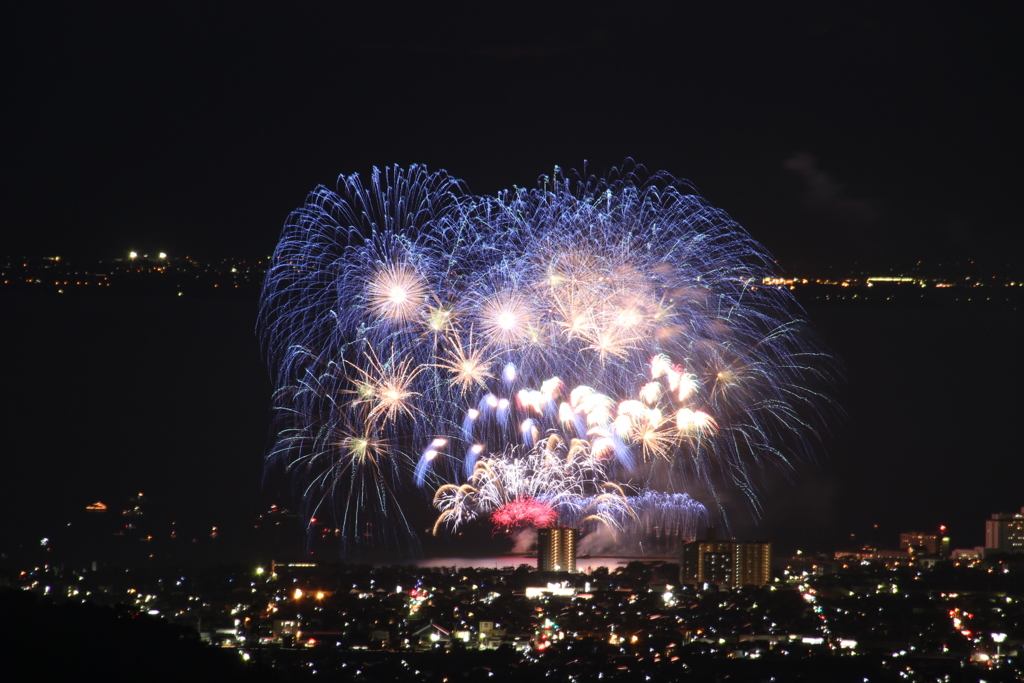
1004	533
556	549
728	564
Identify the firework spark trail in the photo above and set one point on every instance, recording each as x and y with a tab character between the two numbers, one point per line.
567	476
520	487
625	318
677	515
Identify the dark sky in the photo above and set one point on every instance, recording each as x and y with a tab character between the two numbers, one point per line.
837	135
833	133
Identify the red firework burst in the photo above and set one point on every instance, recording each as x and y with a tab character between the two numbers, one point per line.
523	512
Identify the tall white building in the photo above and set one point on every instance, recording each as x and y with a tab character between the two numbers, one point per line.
729	564
556	549
1004	533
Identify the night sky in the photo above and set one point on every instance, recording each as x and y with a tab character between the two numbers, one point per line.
831	133
840	137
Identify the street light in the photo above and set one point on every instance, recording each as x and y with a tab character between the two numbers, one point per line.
998	638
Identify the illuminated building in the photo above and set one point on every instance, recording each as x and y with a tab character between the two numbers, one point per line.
888	558
556	549
934	544
727	564
1004	533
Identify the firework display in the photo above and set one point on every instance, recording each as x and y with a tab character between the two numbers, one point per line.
594	352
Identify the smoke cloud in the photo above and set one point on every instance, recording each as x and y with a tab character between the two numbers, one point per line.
823	194
524	540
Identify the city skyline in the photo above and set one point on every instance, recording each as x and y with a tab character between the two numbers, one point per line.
138	531
829	619
156	156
